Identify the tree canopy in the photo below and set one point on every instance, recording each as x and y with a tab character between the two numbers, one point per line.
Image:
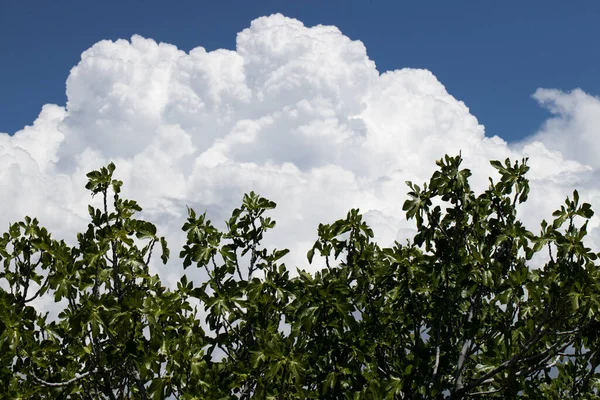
456	312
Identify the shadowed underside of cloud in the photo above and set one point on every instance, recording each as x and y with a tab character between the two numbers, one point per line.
298	114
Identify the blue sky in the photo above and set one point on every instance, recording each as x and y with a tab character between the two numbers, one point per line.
492	55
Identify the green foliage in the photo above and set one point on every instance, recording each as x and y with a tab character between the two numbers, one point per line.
457	312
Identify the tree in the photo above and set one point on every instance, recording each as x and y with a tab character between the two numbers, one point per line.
456	312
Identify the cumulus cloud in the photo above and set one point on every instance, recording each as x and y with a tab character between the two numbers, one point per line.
574	128
298	114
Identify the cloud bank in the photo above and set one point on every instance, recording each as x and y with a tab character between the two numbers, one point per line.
298	114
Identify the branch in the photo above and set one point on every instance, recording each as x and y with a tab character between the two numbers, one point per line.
461	364
484	392
466	347
550	253
511	361
139	384
39	290
65	383
546	356
437	359
237	268
150	252
114	261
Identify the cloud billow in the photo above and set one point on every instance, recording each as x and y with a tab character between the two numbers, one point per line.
298	114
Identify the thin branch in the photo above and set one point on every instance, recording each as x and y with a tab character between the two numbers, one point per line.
437	356
65	383
437	361
113	245
39	290
550	253
511	361
254	255
237	267
492	391
150	251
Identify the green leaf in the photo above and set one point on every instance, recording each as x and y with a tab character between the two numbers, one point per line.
165	250
310	255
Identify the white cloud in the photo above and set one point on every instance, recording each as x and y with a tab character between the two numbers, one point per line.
299	115
574	128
